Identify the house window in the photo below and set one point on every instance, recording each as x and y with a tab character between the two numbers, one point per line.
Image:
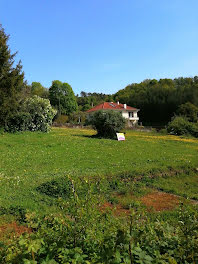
131	114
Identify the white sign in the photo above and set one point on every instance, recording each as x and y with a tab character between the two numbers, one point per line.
120	136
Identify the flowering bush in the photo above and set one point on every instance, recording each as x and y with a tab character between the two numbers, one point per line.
35	114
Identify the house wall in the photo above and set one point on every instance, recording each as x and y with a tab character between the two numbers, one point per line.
131	120
125	114
135	114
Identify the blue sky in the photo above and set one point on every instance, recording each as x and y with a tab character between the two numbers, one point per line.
102	45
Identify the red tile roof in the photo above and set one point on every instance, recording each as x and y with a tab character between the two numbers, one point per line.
111	106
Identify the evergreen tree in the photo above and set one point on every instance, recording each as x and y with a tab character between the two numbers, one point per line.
11	80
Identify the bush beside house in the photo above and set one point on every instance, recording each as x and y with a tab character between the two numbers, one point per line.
107	123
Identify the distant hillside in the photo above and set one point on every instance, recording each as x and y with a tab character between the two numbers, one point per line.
159	100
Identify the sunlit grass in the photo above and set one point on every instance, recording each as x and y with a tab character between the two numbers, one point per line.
30	159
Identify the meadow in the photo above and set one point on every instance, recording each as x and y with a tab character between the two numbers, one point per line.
29	160
69	197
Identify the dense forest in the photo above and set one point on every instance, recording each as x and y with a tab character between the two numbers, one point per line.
158	100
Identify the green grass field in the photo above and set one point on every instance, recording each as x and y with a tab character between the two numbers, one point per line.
69	197
29	160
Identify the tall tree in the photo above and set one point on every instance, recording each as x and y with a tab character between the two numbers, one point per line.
62	97
38	89
11	80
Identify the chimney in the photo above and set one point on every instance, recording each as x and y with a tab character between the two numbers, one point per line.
125	106
118	102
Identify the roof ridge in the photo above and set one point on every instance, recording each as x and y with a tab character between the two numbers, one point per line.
113	106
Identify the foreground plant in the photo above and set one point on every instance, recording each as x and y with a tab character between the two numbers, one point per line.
83	233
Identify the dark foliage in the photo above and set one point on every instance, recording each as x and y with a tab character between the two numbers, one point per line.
60	187
20	121
181	126
159	100
188	110
17	211
107	123
12	83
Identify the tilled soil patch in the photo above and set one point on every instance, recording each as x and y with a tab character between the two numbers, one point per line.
11	230
117	210
160	201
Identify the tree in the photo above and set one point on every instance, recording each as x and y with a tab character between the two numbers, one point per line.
190	111
107	123
88	100
181	126
62	97
38	89
12	83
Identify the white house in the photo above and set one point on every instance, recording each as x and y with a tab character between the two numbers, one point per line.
128	112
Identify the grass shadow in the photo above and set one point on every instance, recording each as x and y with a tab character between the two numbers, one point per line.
94	137
60	187
17	211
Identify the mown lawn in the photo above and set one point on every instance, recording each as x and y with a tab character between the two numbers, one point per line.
29	160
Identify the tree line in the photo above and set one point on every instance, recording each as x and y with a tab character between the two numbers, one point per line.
159	100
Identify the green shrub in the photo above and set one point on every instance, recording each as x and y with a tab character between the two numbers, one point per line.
77	118
190	111
18	122
61	119
35	114
163	131
86	235
83	233
107	123
194	129
181	126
